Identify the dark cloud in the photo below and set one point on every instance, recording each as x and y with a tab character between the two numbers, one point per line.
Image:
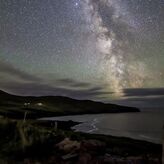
37	89
17	82
144	92
72	83
7	70
143	102
150	98
26	84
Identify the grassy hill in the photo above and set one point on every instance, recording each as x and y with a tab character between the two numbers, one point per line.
35	141
13	106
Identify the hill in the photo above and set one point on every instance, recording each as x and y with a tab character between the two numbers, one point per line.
14	106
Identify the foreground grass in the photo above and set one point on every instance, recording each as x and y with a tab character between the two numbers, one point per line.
36	141
33	141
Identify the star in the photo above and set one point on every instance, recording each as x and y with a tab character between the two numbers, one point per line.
116	44
76	4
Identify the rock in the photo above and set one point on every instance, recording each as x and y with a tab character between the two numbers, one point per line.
69	156
92	145
84	158
68	145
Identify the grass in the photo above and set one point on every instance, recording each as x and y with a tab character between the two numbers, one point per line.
33	139
36	140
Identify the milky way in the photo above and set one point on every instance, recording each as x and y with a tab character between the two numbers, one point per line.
119	66
87	49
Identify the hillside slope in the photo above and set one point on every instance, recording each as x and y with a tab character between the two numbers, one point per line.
35	107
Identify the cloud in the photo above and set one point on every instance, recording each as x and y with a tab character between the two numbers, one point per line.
143	92
72	83
143	102
20	83
151	98
39	89
8	71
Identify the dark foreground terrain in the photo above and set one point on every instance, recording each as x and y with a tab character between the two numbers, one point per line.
43	142
25	140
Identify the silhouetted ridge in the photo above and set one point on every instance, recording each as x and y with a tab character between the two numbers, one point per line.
45	106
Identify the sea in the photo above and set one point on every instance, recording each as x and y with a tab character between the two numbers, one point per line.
146	125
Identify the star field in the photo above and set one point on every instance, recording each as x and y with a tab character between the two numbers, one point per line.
105	45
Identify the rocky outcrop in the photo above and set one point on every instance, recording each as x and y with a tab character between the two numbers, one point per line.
93	152
69	146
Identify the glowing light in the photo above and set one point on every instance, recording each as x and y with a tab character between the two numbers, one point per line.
39	104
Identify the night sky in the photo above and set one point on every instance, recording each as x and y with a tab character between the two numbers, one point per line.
105	50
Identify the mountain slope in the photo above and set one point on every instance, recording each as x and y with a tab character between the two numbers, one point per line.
45	106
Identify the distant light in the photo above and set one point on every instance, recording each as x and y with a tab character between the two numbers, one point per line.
26	104
39	104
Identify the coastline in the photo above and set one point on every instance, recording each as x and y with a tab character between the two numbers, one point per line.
27	140
116	125
45	137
